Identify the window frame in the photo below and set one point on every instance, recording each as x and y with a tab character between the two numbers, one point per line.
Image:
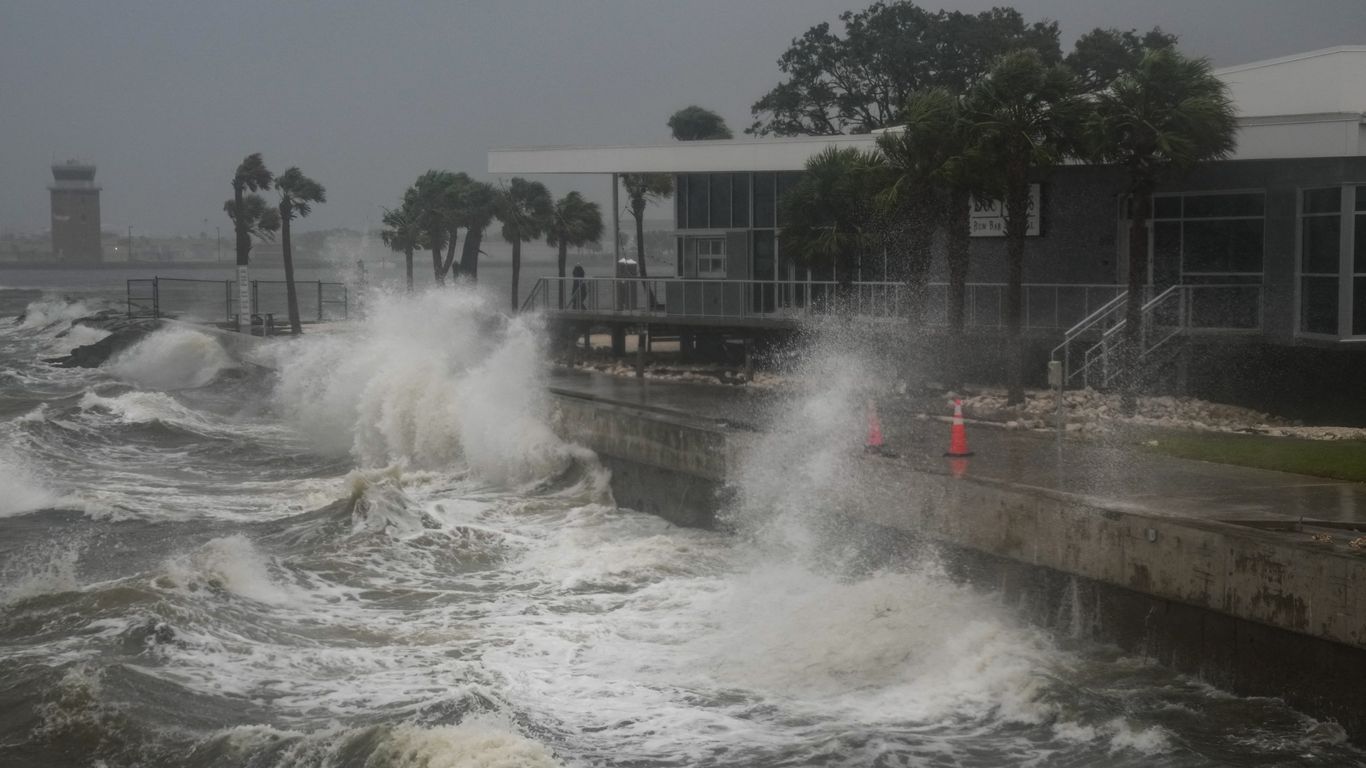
716	255
1181	228
1346	274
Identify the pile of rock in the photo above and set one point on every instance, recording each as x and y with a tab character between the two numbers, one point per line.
123	331
1089	411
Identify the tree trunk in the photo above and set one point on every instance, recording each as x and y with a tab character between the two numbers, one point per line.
516	271
469	254
408	267
243	254
1133	322
958	222
1017	224
919	240
560	259
436	264
291	295
450	257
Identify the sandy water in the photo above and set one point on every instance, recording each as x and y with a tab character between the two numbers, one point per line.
381	555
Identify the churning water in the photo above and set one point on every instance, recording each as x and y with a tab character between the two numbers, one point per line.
380	555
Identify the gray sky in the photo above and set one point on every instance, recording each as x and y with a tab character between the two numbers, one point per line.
167	97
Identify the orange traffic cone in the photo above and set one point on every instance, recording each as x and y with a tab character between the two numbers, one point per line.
958	438
874	443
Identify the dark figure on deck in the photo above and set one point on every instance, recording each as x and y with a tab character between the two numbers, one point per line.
576	295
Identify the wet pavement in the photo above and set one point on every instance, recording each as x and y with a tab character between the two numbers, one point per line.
1107	473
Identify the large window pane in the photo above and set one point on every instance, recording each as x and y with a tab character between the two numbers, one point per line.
1327	200
763	255
764	197
1319	305
1361	198
1319	244
1359	247
720	200
739	200
697	201
786	180
1167	207
1215	206
1166	252
1359	306
1229	245
681	200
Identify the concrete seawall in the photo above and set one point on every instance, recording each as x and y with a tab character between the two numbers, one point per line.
1246	607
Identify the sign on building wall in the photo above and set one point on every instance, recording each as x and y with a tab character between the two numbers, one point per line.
988	216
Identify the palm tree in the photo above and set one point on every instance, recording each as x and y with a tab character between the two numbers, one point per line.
831	211
1024	116
475	210
433	199
1157	121
401	234
524	207
641	188
573	221
298	193
251	176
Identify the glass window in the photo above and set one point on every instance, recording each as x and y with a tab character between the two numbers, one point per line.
720	200
1167	207
1361	198
1223	206
764	197
739	201
786	180
763	255
1319	304
1359	245
681	201
697	201
1359	306
1319	244
711	256
1222	245
1322	200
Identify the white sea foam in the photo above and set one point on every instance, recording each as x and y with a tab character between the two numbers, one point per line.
49	312
232	564
435	381
21	490
172	358
47	570
480	742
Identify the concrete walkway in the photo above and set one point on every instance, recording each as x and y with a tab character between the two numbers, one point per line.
1105	474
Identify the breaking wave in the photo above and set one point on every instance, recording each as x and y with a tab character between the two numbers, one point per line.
171	359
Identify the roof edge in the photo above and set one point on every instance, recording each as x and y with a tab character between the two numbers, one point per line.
1289	58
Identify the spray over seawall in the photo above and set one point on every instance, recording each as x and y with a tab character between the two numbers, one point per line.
438	381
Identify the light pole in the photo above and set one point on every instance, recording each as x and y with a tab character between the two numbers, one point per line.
130	242
219	232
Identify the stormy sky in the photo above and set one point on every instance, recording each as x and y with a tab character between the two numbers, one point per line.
166	97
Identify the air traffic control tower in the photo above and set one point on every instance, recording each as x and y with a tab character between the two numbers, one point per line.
75	213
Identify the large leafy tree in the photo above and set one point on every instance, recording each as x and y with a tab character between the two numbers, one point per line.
861	80
1025	116
401	234
576	222
697	124
525	209
641	190
1101	55
1157	121
298	195
832	211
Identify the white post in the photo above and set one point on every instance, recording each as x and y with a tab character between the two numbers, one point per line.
616	226
243	300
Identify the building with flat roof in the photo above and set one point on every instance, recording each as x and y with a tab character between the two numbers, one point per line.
1264	249
75	213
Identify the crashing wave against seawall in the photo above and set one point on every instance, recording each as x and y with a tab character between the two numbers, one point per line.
435	381
172	358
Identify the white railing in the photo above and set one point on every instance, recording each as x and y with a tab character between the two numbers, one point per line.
1177	312
1045	306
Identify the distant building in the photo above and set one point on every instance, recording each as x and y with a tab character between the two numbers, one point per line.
75	213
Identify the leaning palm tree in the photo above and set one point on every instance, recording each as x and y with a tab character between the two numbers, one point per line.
298	194
641	189
831	211
433	198
401	234
251	176
474	211
524	207
1024	117
573	221
1157	121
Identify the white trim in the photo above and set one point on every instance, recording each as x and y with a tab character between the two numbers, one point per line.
1289	58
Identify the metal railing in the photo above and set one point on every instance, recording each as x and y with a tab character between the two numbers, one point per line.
1179	311
1045	306
214	301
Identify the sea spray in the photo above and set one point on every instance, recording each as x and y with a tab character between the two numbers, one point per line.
170	359
438	380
